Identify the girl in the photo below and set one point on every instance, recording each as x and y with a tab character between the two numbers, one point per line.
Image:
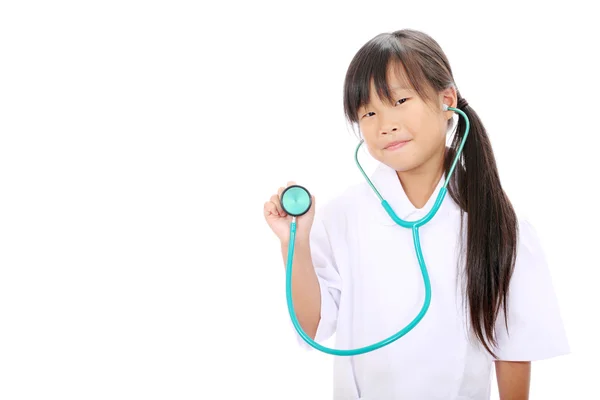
355	273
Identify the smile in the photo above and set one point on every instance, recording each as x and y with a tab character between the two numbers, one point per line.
396	145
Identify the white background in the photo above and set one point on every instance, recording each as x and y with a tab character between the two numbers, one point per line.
139	141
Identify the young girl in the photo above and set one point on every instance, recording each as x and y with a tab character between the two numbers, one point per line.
354	270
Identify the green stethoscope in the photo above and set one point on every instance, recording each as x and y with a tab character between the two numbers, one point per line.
296	201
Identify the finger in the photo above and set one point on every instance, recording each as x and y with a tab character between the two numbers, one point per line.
267	208
290	183
270	209
281	210
277	204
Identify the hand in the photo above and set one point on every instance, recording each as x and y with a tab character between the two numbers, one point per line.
279	221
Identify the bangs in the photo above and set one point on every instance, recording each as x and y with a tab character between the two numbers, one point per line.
370	66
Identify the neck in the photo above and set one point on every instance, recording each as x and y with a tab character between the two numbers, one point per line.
420	183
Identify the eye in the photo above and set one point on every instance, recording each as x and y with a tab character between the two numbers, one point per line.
368	114
401	101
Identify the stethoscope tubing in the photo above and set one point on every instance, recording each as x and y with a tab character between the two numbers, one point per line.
413	225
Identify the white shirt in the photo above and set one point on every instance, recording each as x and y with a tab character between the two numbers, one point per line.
371	287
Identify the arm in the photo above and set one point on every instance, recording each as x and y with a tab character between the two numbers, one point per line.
306	293
534	320
513	379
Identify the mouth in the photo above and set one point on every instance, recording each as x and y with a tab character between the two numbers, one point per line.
396	144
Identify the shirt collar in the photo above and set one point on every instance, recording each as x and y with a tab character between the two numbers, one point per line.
388	184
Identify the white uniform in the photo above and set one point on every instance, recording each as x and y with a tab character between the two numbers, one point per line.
371	287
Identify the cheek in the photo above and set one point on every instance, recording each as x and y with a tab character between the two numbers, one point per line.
432	132
367	130
370	139
373	151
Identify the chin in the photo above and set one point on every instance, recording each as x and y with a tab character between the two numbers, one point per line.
400	164
401	167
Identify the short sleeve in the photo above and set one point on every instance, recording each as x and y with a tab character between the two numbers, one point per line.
329	282
535	326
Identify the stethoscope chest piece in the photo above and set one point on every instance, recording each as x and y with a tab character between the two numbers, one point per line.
295	200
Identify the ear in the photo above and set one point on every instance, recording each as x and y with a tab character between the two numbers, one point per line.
449	97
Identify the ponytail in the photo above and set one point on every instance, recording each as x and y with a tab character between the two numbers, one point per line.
491	226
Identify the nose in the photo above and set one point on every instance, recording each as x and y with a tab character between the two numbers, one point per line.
388	122
388	128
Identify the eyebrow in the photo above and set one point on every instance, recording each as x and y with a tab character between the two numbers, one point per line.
399	88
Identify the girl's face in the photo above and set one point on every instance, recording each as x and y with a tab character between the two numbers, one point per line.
409	134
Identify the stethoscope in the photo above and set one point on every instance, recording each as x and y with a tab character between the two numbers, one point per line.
296	201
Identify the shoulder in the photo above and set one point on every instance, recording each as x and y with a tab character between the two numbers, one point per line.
531	271
528	240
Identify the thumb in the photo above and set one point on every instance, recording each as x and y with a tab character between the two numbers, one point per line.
313	206
309	215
